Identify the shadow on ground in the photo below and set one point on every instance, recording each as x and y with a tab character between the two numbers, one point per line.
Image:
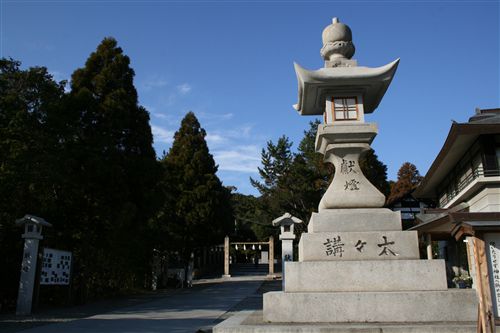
197	309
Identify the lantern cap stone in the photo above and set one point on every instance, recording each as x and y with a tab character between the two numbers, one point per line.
315	86
286	218
337	41
33	219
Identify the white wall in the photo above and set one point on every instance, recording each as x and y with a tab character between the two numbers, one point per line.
487	200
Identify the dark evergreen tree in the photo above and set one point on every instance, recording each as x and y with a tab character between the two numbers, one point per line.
276	162
247	222
113	172
29	103
84	161
375	171
198	208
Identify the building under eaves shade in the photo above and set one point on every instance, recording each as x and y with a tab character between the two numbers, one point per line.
467	167
464	181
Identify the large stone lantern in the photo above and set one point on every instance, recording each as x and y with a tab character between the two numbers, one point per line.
357	270
343	93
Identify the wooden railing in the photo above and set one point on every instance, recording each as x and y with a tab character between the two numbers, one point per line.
478	172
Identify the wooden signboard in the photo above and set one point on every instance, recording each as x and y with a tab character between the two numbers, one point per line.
492	242
56	267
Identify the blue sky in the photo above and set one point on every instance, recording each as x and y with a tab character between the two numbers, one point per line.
231	63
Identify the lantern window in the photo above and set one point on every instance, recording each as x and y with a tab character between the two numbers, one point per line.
345	108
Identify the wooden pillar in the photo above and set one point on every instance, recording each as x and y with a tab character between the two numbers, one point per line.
205	264
271	256
226	257
470	259
428	239
486	321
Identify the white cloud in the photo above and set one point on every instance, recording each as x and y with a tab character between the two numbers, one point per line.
60	76
215	138
233	137
244	131
159	115
215	116
184	88
227	116
162	135
153	82
245	159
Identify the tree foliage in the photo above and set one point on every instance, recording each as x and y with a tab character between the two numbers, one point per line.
198	209
408	179
375	171
84	161
29	107
113	171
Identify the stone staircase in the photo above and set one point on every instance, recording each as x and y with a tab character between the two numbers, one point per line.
248	269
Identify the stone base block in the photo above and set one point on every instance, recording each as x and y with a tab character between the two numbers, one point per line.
371	307
373	245
361	219
366	275
252	322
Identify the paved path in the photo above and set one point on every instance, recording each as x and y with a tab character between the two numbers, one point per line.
188	310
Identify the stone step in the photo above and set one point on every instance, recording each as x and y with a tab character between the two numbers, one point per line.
458	305
252	322
360	219
371	275
372	245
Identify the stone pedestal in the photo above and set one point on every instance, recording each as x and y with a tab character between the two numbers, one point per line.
357	265
359	272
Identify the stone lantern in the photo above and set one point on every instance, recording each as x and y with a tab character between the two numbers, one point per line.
33	226
286	223
343	93
357	270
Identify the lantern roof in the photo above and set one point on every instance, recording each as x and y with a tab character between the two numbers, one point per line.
286	218
316	86
33	219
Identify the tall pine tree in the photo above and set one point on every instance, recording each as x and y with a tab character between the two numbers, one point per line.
113	169
197	210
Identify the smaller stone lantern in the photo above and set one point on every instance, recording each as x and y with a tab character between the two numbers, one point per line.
286	223
33	226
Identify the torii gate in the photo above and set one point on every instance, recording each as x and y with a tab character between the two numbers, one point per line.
227	244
